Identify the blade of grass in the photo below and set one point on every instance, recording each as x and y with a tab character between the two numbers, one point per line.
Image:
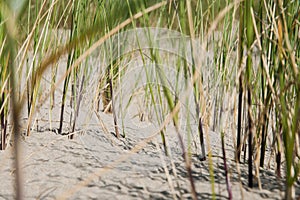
11	31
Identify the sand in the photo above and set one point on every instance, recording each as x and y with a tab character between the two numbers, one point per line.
91	166
97	165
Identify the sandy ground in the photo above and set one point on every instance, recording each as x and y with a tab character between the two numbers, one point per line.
96	165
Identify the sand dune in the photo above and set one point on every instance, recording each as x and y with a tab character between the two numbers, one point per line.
96	165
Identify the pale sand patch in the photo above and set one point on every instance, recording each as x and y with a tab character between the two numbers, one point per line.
53	165
96	165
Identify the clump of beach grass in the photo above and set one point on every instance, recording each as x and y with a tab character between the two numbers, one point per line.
255	57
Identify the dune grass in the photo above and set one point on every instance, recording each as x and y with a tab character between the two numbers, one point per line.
255	48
